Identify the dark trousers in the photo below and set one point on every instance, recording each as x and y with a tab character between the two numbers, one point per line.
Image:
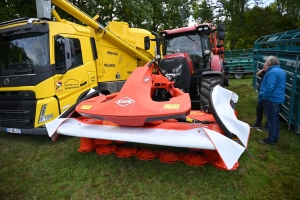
272	111
259	114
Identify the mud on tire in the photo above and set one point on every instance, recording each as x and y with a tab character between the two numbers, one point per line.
208	82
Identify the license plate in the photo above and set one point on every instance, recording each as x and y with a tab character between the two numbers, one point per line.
13	130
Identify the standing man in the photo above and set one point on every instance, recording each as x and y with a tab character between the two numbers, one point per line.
260	108
272	95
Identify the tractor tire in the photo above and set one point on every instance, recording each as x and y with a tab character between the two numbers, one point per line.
226	80
208	82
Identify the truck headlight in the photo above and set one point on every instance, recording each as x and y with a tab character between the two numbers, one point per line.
42	117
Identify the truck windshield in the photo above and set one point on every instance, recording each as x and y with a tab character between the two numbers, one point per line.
24	50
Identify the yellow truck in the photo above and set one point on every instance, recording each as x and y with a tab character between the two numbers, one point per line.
47	66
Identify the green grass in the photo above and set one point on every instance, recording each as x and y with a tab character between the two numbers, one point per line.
34	167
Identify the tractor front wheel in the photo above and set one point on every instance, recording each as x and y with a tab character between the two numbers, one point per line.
208	82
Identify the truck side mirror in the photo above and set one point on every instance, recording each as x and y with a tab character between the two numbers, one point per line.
221	31
147	42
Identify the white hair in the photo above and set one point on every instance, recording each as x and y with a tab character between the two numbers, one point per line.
272	60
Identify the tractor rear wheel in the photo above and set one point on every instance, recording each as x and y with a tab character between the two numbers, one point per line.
208	82
226	80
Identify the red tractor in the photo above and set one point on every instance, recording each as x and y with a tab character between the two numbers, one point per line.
193	57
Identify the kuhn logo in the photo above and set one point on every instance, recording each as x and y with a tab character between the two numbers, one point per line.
124	101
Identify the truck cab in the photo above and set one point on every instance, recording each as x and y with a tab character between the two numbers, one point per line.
47	66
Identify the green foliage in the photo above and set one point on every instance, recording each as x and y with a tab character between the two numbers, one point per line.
11	9
202	11
153	14
234	18
261	21
290	10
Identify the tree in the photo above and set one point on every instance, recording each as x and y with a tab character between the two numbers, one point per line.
202	11
234	11
12	9
259	22
154	14
289	9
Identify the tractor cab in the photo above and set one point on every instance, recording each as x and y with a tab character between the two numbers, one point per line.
191	55
192	43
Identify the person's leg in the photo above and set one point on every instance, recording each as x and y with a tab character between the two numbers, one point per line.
278	122
259	113
272	112
266	126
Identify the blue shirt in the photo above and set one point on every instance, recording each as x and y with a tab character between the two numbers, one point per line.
273	85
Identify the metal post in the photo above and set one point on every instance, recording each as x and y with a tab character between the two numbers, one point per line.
292	97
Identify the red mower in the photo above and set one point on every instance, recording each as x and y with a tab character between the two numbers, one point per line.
150	110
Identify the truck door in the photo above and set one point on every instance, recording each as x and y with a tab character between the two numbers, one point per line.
71	78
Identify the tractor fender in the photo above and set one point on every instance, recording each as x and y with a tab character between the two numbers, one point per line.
216	63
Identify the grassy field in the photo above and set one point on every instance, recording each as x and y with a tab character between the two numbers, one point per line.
34	167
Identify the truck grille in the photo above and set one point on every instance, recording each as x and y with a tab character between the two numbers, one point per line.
17	113
17	95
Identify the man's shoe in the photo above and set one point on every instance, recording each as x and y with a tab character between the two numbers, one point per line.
255	126
262	129
266	141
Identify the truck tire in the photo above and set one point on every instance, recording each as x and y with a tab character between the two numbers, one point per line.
238	72
208	82
238	75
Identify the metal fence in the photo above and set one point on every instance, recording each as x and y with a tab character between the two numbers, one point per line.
286	46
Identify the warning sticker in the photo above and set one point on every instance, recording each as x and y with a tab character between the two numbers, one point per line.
86	107
171	106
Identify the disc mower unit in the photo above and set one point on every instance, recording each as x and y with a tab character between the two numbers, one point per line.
151	111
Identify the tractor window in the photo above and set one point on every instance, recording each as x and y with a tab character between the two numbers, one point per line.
205	43
192	44
184	43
